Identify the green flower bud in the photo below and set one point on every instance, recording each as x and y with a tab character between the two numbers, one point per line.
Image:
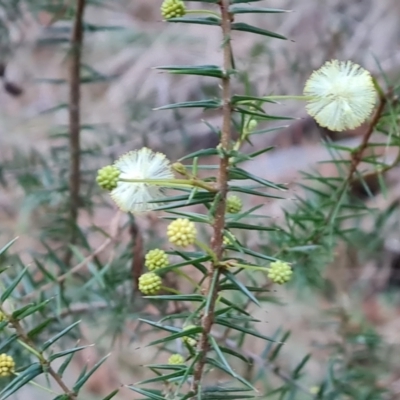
149	283
173	9
179	168
233	205
107	177
190	340
176	359
155	259
7	365
280	272
182	232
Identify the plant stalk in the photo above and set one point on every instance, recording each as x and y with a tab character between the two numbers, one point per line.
75	123
222	185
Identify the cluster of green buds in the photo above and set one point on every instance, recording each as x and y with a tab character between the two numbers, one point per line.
182	232
176	359
173	9
280	272
7	365
233	205
107	177
149	283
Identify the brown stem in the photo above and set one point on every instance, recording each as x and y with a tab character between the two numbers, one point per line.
355	160
75	122
222	185
25	338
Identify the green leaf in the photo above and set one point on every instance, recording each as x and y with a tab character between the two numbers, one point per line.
234	353
177	297
222	321
8	341
250	99
65	364
201	21
7	246
222	367
29	309
239	225
186	332
241	287
200	153
161	271
239	173
22	379
241	26
150	394
111	395
206	104
51	341
255	10
39	328
164	378
67	352
84	378
251	191
12	286
202	70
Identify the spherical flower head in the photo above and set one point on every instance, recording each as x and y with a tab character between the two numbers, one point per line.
7	365
173	9
190	340
143	164
233	204
107	177
182	232
176	359
149	283
280	272
156	259
342	95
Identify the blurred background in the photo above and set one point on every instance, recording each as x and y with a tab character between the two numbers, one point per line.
123	41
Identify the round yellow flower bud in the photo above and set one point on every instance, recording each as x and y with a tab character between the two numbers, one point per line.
190	340
149	283
280	272
176	359
107	177
7	365
182	232
233	205
156	259
173	9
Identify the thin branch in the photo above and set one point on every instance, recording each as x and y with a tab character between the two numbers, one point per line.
83	263
355	160
75	122
22	335
222	185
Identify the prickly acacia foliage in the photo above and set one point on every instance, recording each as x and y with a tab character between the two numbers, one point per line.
208	328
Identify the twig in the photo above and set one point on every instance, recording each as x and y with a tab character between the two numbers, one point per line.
43	361
355	160
83	263
137	255
222	185
75	123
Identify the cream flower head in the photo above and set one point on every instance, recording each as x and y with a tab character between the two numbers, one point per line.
140	164
342	95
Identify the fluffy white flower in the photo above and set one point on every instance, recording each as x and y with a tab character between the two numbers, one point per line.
342	95
140	164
